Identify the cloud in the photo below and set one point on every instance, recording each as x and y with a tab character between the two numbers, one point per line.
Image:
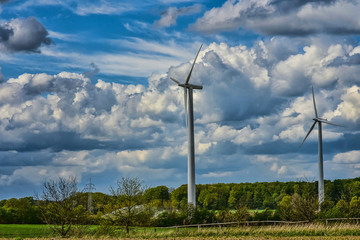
101	7
23	35
169	16
85	7
245	120
347	157
141	60
1	76
349	107
91	73
278	17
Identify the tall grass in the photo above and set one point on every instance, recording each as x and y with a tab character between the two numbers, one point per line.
305	231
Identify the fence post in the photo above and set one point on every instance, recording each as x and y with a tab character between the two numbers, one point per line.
155	229
177	228
326	221
198	227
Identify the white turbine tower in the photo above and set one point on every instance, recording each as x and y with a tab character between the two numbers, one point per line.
319	121
189	115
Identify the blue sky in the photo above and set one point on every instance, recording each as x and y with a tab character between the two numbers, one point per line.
85	90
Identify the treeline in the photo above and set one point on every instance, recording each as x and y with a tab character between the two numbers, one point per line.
215	202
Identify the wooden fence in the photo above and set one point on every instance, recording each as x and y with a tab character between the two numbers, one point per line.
242	223
257	223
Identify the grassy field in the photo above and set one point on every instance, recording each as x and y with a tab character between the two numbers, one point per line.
24	231
308	231
219	238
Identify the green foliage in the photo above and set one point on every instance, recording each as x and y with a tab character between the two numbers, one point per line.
129	208
157	196
179	197
265	215
213	196
285	210
355	207
222	199
304	208
169	218
342	208
202	216
241	213
23	210
59	205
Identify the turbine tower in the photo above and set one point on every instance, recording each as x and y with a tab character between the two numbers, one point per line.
319	121
189	118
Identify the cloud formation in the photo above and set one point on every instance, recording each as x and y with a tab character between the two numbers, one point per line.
72	125
169	16
85	7
25	35
279	17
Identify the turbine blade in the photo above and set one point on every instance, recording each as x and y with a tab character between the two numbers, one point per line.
312	127
192	67
176	81
186	110
316	114
327	122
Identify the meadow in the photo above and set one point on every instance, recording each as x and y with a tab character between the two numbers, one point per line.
305	231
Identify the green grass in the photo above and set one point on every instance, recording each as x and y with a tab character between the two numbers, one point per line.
24	231
305	231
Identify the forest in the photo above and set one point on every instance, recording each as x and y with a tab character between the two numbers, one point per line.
219	202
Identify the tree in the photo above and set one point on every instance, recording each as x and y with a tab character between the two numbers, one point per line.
129	203
355	207
157	195
59	206
22	210
342	208
179	197
285	209
241	213
304	208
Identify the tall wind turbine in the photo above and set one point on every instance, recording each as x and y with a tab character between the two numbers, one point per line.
189	117
319	121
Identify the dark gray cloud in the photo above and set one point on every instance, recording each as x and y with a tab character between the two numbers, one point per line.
285	6
23	35
91	73
281	17
1	76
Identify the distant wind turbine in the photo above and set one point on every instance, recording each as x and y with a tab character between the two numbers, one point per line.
319	121
189	116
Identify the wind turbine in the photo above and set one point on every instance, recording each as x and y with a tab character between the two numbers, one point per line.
189	118
319	121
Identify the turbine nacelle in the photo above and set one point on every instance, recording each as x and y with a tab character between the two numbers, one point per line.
188	85
193	86
320	119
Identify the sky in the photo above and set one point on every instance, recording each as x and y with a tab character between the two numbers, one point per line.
85	90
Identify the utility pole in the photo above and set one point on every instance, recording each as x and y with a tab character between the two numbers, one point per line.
89	188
